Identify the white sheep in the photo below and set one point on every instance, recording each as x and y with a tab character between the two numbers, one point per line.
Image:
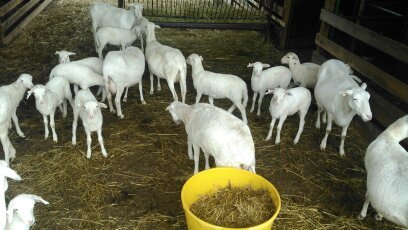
103	15
165	62
303	73
278	76
286	103
338	94
15	93
89	109
217	133
48	98
5	172
123	69
115	36
20	211
6	110
386	162
217	85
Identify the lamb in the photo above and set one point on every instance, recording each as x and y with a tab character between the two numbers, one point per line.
116	36
303	73
15	93
5	172
20	211
6	109
89	109
286	103
48	98
165	62
341	98
217	133
386	162
123	69
217	85
278	76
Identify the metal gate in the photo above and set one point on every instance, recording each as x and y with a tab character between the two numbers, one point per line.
227	14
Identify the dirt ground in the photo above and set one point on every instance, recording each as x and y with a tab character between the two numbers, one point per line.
138	186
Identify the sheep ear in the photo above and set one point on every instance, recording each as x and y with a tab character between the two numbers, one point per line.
168	108
157	27
57	52
250	65
38	199
201	58
295	58
289	93
10	173
346	92
270	91
71	53
102	105
29	93
266	65
79	105
10	213
363	86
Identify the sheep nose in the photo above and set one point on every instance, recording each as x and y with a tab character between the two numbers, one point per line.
30	222
369	117
91	116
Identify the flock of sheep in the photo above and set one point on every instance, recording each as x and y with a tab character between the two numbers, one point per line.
213	130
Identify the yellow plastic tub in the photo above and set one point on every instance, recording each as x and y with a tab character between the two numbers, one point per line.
208	180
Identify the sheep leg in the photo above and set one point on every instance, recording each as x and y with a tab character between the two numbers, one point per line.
343	138
140	92
141	43
158	84
268	137
74	126
278	128
173	91
151	82
328	129
241	108
198	97
76	89
190	148
45	119
301	125
183	88
99	91
253	101
103	90
15	121
88	143
232	108
196	157
319	111
64	108
6	147
52	124
12	150
261	96
126	93
363	213
100	49
211	100
324	117
207	163
109	96
119	92
100	139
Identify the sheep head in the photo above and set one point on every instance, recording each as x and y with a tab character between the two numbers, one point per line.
22	207
25	80
92	107
358	101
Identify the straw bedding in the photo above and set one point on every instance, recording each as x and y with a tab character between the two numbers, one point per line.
138	186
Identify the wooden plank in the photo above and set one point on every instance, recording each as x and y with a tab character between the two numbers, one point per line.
24	23
383	111
324	28
383	79
284	35
318	58
384	44
9	6
17	15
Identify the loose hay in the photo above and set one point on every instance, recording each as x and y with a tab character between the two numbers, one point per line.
234	207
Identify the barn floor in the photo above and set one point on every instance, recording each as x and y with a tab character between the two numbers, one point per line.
138	186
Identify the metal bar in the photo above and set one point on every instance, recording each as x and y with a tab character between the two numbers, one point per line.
198	25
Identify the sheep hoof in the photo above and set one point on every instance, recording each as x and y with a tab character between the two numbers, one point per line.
361	217
88	155
105	154
121	116
295	142
144	103
124	99
342	154
55	140
151	92
378	217
277	142
322	147
21	134
73	143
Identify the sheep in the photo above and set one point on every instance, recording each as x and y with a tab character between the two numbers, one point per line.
165	62
6	109
115	36
217	133
103	15
15	93
338	94
89	109
20	211
278	76
123	69
386	162
48	98
303	73
286	103
217	85
5	172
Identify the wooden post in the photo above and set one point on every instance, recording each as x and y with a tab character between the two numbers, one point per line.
287	17
121	3
324	31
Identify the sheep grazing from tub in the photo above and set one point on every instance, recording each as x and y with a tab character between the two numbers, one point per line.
217	133
20	211
217	85
89	109
15	93
47	98
305	74
341	98
286	103
386	162
123	69
5	172
6	109
165	62
278	76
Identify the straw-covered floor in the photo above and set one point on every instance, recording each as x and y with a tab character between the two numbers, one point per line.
138	186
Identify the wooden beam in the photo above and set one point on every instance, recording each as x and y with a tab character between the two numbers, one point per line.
287	16
324	28
18	14
9	37
383	111
384	44
383	79
9	6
